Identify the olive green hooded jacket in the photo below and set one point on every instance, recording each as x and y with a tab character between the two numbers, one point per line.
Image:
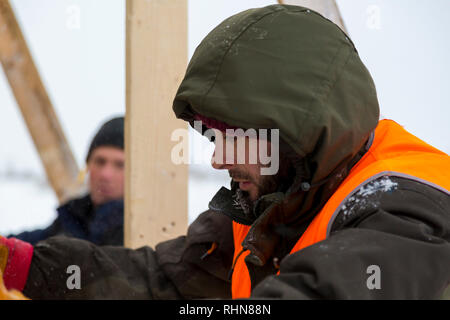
287	68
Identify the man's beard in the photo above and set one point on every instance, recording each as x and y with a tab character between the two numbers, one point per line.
267	184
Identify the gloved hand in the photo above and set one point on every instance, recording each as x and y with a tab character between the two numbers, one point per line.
6	294
15	260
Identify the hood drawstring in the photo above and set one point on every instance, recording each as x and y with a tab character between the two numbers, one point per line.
211	250
230	273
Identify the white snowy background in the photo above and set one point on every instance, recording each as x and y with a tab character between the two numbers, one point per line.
79	49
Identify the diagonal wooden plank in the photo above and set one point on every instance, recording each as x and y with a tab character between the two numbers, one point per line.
35	106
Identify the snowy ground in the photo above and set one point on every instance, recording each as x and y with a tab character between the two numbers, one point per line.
25	205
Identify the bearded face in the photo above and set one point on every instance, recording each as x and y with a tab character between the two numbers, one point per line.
251	184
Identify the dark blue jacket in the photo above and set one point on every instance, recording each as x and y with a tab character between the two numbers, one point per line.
102	225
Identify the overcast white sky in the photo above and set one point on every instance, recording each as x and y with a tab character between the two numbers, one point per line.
404	44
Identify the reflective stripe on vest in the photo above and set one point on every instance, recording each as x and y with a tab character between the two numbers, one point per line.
394	152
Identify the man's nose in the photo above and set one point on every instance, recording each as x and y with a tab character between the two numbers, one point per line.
107	172
219	162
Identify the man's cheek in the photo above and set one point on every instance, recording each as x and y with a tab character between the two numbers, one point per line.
254	193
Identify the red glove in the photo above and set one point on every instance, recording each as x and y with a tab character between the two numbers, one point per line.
15	260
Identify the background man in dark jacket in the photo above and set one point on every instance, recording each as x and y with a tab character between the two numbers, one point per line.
97	216
359	208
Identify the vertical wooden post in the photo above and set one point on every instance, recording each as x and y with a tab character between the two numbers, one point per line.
156	59
37	110
328	8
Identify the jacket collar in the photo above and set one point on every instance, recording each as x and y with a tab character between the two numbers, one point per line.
281	215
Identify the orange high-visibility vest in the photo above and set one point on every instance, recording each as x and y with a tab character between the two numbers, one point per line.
394	152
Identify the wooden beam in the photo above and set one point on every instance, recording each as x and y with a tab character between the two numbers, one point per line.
328	8
156	59
35	106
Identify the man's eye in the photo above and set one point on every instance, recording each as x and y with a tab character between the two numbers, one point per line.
100	162
119	165
210	137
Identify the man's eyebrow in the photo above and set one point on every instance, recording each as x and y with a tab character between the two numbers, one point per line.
99	158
